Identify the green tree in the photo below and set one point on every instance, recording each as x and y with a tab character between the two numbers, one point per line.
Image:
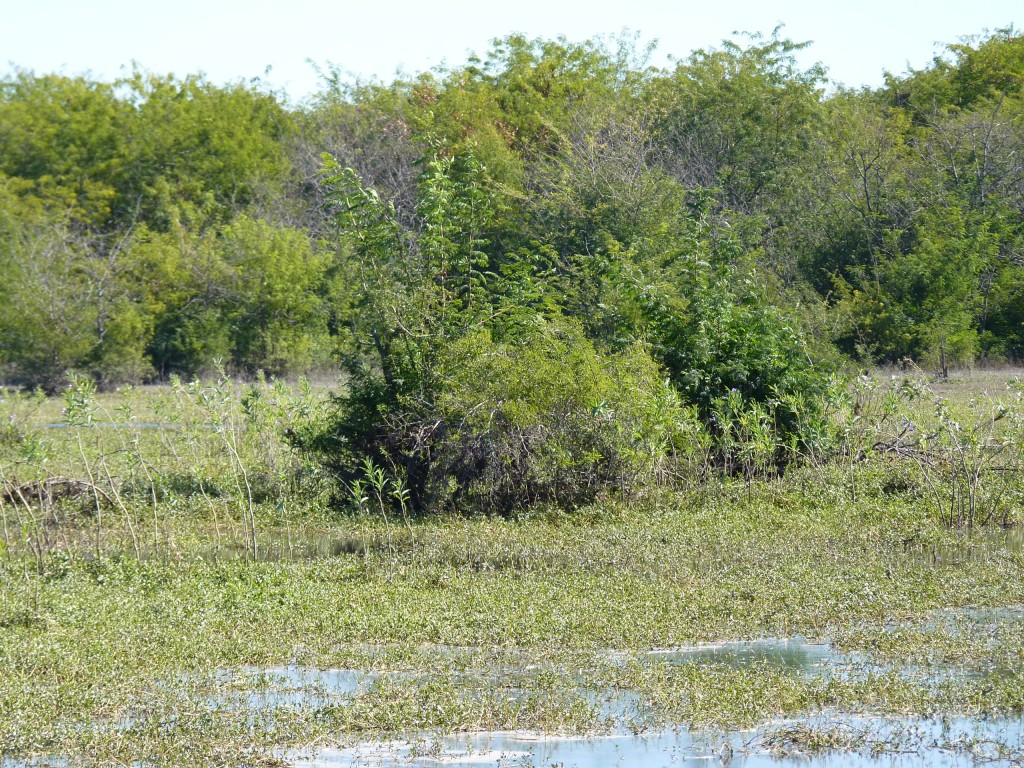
198	153
70	304
271	303
738	119
63	142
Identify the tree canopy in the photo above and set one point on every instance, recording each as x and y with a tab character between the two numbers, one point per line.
157	225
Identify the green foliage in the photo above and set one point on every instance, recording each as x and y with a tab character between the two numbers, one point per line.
122	256
742	362
872	327
412	291
553	275
63	142
274	315
738	119
544	418
727	214
408	299
474	406
185	282
200	153
978	68
465	397
70	304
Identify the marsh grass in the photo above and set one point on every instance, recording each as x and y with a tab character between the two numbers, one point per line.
97	668
204	545
127	466
965	436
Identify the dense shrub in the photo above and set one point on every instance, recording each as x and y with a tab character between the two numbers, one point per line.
744	365
539	418
465	401
742	361
550	419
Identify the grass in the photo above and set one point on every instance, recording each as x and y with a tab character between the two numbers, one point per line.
115	652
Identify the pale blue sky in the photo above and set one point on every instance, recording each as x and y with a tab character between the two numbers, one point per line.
230	39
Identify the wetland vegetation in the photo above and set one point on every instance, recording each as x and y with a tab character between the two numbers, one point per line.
187	602
608	456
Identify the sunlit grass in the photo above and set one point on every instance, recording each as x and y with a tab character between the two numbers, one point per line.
111	654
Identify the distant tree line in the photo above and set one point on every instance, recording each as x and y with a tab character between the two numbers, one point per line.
741	222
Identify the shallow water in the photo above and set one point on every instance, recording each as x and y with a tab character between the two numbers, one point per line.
976	545
115	425
290	686
957	742
876	742
792	653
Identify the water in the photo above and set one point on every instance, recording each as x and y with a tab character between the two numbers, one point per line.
920	742
977	545
290	686
858	740
865	741
115	425
137	425
796	654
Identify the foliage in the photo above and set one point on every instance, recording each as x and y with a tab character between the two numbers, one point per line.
427	315
542	417
742	362
887	222
739	119
115	197
556	278
485	620
726	218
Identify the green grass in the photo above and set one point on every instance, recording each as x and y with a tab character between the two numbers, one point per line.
110	654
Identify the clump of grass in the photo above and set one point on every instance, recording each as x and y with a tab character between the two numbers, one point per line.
805	739
212	451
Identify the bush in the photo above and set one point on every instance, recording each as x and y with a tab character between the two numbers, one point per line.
539	418
462	399
743	364
549	419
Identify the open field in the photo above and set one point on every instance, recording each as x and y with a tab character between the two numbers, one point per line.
179	605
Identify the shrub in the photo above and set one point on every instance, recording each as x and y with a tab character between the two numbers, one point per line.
542	417
742	363
549	419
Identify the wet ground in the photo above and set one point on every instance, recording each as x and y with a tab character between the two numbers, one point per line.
886	743
850	739
822	740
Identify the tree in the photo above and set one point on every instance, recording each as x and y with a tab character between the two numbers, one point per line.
199	154
456	396
271	306
63	142
70	304
738	119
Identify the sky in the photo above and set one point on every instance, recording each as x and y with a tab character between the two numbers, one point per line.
229	40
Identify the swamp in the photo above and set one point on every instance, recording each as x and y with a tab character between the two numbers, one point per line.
177	589
551	408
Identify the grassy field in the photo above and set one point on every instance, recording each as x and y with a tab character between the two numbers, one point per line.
146	587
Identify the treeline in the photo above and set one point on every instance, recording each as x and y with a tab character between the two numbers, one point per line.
731	213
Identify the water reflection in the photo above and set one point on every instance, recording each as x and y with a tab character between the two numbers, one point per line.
881	743
792	653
